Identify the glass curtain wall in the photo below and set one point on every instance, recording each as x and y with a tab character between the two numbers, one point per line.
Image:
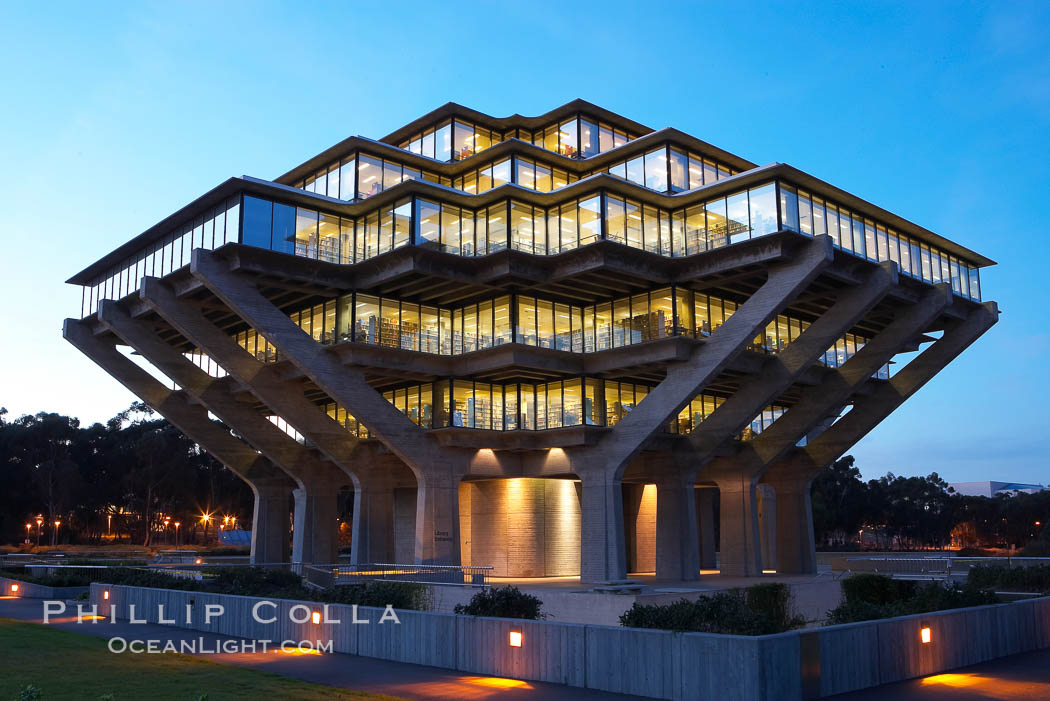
215	227
452	140
669	169
719	222
854	233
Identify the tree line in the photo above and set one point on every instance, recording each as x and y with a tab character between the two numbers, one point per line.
911	513
111	480
114	480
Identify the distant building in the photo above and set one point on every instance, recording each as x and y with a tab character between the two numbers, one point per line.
990	489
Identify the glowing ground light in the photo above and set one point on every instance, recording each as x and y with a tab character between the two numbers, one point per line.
316	617
926	635
515	638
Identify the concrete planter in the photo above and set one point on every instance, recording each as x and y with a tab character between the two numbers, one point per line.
795	665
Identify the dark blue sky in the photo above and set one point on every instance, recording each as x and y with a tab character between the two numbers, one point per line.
114	116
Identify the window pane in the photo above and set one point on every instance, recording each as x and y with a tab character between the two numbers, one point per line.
450	228
717	224
545	323
329	238
568	138
427	218
462	141
257	221
369	176
443	143
391	174
305	233
521	227
366	319
738	217
656	170
763	210
590	220
634	224
636	170
526	331
588	138
616	224
497	228
402	223
679	175
525	173
346	180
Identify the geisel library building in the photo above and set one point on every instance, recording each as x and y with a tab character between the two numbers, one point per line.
559	345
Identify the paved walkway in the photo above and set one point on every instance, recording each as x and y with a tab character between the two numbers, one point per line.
345	671
1024	677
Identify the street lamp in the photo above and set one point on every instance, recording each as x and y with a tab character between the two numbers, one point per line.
29	528
205	520
54	536
39	526
177	524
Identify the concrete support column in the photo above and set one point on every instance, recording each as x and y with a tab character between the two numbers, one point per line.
270	525
677	538
437	520
603	556
740	548
315	534
373	533
705	512
795	549
767	524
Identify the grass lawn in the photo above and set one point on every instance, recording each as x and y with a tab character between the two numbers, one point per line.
69	666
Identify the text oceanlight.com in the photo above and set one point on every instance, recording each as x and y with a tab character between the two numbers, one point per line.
201	646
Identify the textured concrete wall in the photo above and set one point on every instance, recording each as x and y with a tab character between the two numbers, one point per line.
860	655
405	525
657	664
522	527
639	517
767	525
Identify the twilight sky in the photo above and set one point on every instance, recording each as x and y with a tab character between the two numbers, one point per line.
116	114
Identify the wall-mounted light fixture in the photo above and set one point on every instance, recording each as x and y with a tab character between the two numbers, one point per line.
514	638
926	635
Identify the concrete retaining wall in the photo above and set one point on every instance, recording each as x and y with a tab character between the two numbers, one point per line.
29	590
660	664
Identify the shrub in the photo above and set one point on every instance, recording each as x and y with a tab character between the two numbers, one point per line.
502	602
401	595
253	581
758	610
872	596
875	589
1003	578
